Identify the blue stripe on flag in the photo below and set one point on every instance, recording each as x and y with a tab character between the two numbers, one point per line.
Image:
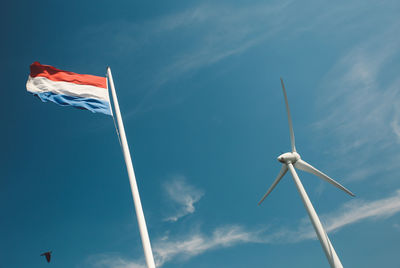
93	105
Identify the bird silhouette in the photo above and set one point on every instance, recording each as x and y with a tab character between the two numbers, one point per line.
47	255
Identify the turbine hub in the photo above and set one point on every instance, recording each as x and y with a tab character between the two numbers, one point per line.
290	157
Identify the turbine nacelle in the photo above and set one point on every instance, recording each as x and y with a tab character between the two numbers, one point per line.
290	157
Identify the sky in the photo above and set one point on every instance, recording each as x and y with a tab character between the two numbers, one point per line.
199	91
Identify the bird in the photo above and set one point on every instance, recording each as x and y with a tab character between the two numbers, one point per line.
47	255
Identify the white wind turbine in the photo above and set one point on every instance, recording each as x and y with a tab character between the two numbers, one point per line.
293	160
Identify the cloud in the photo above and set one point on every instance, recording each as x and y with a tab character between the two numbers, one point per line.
182	248
183	195
205	35
182	42
354	88
185	41
219	31
359	102
356	211
395	123
196	243
350	213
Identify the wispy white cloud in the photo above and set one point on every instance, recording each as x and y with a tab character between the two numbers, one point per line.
183	195
352	17
359	99
354	85
196	243
395	124
217	31
207	34
350	213
181	248
354	212
220	31
188	40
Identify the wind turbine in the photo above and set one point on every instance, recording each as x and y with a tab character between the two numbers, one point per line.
293	160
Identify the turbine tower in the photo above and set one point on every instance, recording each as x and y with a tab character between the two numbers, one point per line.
292	160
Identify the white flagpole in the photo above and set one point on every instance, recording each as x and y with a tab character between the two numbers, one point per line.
132	179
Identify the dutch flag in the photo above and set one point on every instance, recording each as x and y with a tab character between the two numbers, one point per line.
65	88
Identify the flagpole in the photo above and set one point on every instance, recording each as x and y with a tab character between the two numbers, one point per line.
132	179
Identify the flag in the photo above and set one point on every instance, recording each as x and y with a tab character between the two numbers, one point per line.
65	88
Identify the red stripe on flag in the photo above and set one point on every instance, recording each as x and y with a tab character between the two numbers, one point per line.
55	74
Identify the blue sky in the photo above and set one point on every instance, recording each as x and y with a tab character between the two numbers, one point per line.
199	90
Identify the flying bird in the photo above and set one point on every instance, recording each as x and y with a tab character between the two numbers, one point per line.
47	255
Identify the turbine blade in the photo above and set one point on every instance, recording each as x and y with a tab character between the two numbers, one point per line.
278	178
292	141
303	165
